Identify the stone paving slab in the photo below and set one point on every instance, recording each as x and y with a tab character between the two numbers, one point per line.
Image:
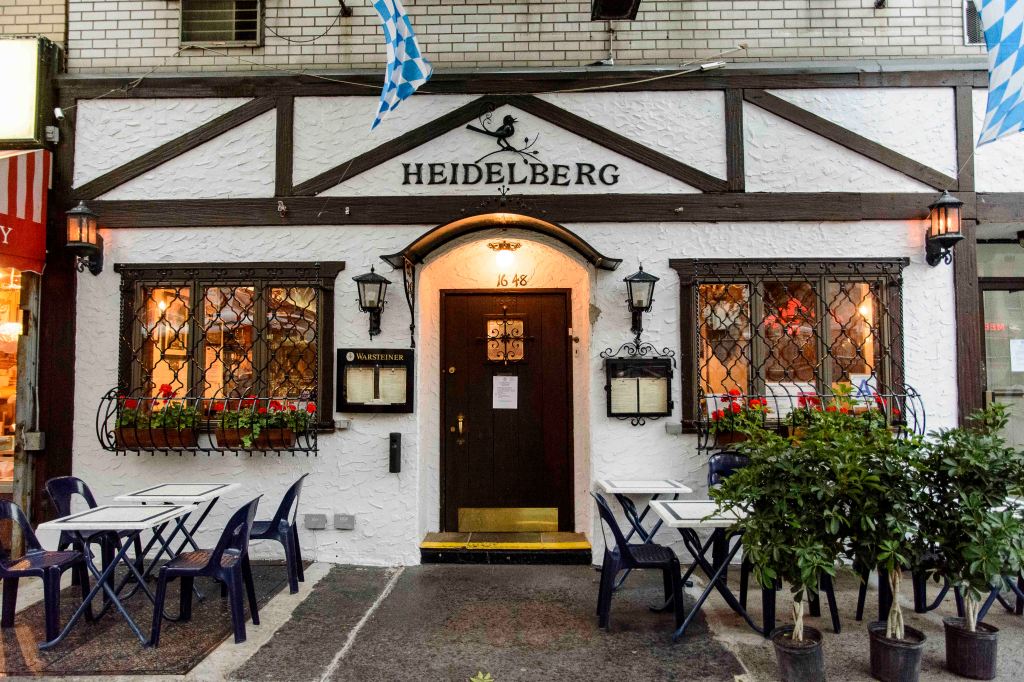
526	623
303	648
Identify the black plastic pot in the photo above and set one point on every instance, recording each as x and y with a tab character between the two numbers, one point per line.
970	654
895	660
799	661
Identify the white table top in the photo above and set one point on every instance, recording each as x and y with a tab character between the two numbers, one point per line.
177	493
663	486
691	514
117	517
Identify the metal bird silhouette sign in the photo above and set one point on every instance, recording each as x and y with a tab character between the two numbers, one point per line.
515	161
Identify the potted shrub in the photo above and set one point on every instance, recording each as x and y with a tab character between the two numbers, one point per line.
971	474
272	426
730	423
161	422
791	523
883	483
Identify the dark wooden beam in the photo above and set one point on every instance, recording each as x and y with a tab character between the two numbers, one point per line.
964	107
849	139
1000	207
238	84
601	208
284	145
175	148
734	140
400	145
618	143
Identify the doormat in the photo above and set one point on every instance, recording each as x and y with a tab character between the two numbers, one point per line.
109	647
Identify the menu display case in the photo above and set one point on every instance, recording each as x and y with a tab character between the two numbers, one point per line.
375	380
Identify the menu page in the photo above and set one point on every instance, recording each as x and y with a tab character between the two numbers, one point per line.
624	398
359	384
653	395
392	385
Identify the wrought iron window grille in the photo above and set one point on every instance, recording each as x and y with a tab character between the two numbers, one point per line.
786	330
218	358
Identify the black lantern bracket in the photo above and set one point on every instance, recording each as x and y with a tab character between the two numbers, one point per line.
372	289
943	229
84	239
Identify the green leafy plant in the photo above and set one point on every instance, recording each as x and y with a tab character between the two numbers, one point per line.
251	416
969	507
737	415
166	411
792	517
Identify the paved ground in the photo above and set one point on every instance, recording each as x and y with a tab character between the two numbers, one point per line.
523	623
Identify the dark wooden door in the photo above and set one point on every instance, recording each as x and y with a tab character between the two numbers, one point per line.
506	458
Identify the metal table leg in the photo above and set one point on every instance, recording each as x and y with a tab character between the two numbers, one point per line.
101	584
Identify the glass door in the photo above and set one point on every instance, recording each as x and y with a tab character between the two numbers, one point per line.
1003	330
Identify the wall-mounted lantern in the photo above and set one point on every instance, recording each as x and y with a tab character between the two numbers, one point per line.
943	229
503	252
84	239
640	286
372	289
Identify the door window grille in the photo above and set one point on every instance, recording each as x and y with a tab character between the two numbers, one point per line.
220	333
785	329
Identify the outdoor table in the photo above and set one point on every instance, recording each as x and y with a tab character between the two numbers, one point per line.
124	518
689	516
622	489
189	495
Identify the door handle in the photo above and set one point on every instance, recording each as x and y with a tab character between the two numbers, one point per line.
460	419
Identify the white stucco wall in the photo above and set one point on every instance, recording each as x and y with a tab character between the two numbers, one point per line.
350	473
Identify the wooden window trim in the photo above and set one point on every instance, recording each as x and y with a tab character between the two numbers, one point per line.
691	272
321	275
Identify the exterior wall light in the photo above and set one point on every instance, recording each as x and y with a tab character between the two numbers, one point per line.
372	289
641	295
943	230
84	239
504	252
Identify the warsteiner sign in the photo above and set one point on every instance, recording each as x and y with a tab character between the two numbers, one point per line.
527	169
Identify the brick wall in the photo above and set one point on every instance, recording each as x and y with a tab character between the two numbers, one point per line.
119	35
33	17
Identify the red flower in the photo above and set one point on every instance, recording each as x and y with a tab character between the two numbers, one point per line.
717	414
262	410
844	409
275	405
218	406
249	401
291	408
311	408
830	408
895	412
735	407
734	392
166	391
131	403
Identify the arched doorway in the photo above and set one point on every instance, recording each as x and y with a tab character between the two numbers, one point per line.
521	457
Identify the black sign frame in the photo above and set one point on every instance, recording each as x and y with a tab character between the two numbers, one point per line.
635	368
381	358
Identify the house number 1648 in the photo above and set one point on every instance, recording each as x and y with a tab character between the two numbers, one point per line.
517	280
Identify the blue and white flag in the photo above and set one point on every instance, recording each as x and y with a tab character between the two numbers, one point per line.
1003	20
407	68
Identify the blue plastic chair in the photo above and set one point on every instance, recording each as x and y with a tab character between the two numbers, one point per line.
723	465
227	563
36	562
62	491
626	556
284	529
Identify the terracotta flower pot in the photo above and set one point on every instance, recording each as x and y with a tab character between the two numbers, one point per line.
231	437
275	439
131	438
799	661
729	438
895	660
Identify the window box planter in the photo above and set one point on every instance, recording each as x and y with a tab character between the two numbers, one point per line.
267	439
729	438
231	438
131	438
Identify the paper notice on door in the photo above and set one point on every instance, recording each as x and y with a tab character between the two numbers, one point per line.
506	393
1017	355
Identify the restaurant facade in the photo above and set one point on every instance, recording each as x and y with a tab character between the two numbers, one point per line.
785	213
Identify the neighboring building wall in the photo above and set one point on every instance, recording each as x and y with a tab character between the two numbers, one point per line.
120	35
350	472
33	17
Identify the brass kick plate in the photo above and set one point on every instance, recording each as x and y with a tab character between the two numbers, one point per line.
508	519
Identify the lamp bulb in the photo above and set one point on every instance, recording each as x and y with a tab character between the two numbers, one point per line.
504	258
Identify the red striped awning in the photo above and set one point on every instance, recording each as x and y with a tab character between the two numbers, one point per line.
24	182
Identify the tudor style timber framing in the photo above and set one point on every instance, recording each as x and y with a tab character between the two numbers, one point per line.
720	200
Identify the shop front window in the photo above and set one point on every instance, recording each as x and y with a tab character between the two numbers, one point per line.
220	333
10	331
784	329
